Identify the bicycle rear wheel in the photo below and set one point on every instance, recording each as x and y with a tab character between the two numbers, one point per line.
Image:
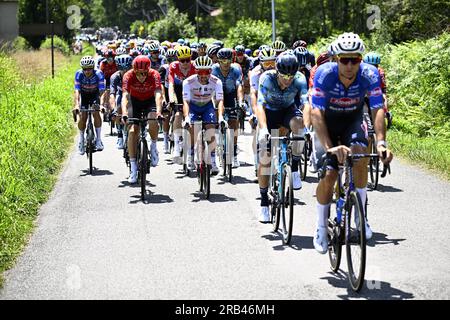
207	182
287	204
143	164
355	241
334	243
90	148
273	205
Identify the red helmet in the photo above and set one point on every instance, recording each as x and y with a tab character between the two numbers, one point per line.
141	63
109	53
323	57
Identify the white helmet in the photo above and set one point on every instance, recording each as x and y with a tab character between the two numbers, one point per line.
203	62
87	62
348	42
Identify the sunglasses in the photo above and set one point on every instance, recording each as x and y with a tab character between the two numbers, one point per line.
286	76
154	52
88	69
353	60
224	61
204	72
185	60
268	64
141	73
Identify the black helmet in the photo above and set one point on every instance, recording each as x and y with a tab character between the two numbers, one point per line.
218	43
212	50
225	53
287	64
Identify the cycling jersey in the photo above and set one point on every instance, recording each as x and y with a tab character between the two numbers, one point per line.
164	73
116	87
91	85
158	63
200	94
271	97
230	83
255	74
141	91
382	79
108	69
176	77
329	93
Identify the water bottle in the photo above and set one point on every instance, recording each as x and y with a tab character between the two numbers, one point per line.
339	205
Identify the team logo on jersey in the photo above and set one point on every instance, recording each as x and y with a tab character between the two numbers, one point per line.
370	74
345	101
375	92
317	92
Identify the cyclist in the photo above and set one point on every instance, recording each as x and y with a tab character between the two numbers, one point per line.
303	44
201	48
231	77
337	114
212	53
218	43
279	47
198	92
179	71
155	57
243	60
280	94
141	94
115	99
89	88
374	59
164	73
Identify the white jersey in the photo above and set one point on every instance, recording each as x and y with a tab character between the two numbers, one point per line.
254	77
199	94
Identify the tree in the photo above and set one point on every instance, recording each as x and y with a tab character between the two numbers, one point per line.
175	25
251	33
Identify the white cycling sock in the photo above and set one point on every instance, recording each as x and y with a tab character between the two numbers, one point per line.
322	214
98	132
153	145
166	137
363	195
133	165
81	135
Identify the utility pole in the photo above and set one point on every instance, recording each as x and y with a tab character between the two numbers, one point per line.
273	21
196	18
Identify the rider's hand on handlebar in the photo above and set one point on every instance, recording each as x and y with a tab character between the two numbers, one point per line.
186	123
340	152
263	135
124	118
223	124
382	150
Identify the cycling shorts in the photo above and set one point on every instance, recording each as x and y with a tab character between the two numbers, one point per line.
205	113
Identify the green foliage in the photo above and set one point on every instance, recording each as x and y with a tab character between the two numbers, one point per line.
138	28
250	33
58	43
36	133
20	43
175	25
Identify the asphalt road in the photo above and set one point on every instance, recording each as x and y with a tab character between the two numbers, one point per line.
95	239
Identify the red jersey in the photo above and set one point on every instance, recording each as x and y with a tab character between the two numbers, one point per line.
383	79
108	69
176	76
311	75
141	91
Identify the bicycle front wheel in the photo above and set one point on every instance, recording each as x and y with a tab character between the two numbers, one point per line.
273	205
143	159
207	183
355	241
334	243
90	148
374	166
287	204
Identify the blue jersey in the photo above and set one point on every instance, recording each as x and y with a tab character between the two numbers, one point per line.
116	86
271	97
329	93
92	85
230	83
157	64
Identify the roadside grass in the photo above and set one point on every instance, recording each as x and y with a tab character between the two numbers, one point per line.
36	135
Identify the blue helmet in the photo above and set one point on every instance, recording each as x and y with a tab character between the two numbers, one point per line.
248	52
225	53
123	61
287	63
302	55
181	41
372	58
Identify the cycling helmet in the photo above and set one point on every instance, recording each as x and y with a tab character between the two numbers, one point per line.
183	52
187	43
87	62
264	46
123	62
267	55
203	62
109	53
166	43
240	49
256	53
299	43
120	51
194	54
323	57
302	55
201	44
287	64
279	46
225	53
212	50
194	45
372	58
332	49
248	52
153	47
171	53
218	43
141	63
180	41
349	42
134	53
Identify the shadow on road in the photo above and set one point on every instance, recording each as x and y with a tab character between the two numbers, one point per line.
96	172
234	180
371	290
297	242
212	197
125	183
311	179
151	197
383	188
381	238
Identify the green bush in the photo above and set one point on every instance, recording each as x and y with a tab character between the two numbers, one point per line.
58	43
174	26
251	33
138	28
20	43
